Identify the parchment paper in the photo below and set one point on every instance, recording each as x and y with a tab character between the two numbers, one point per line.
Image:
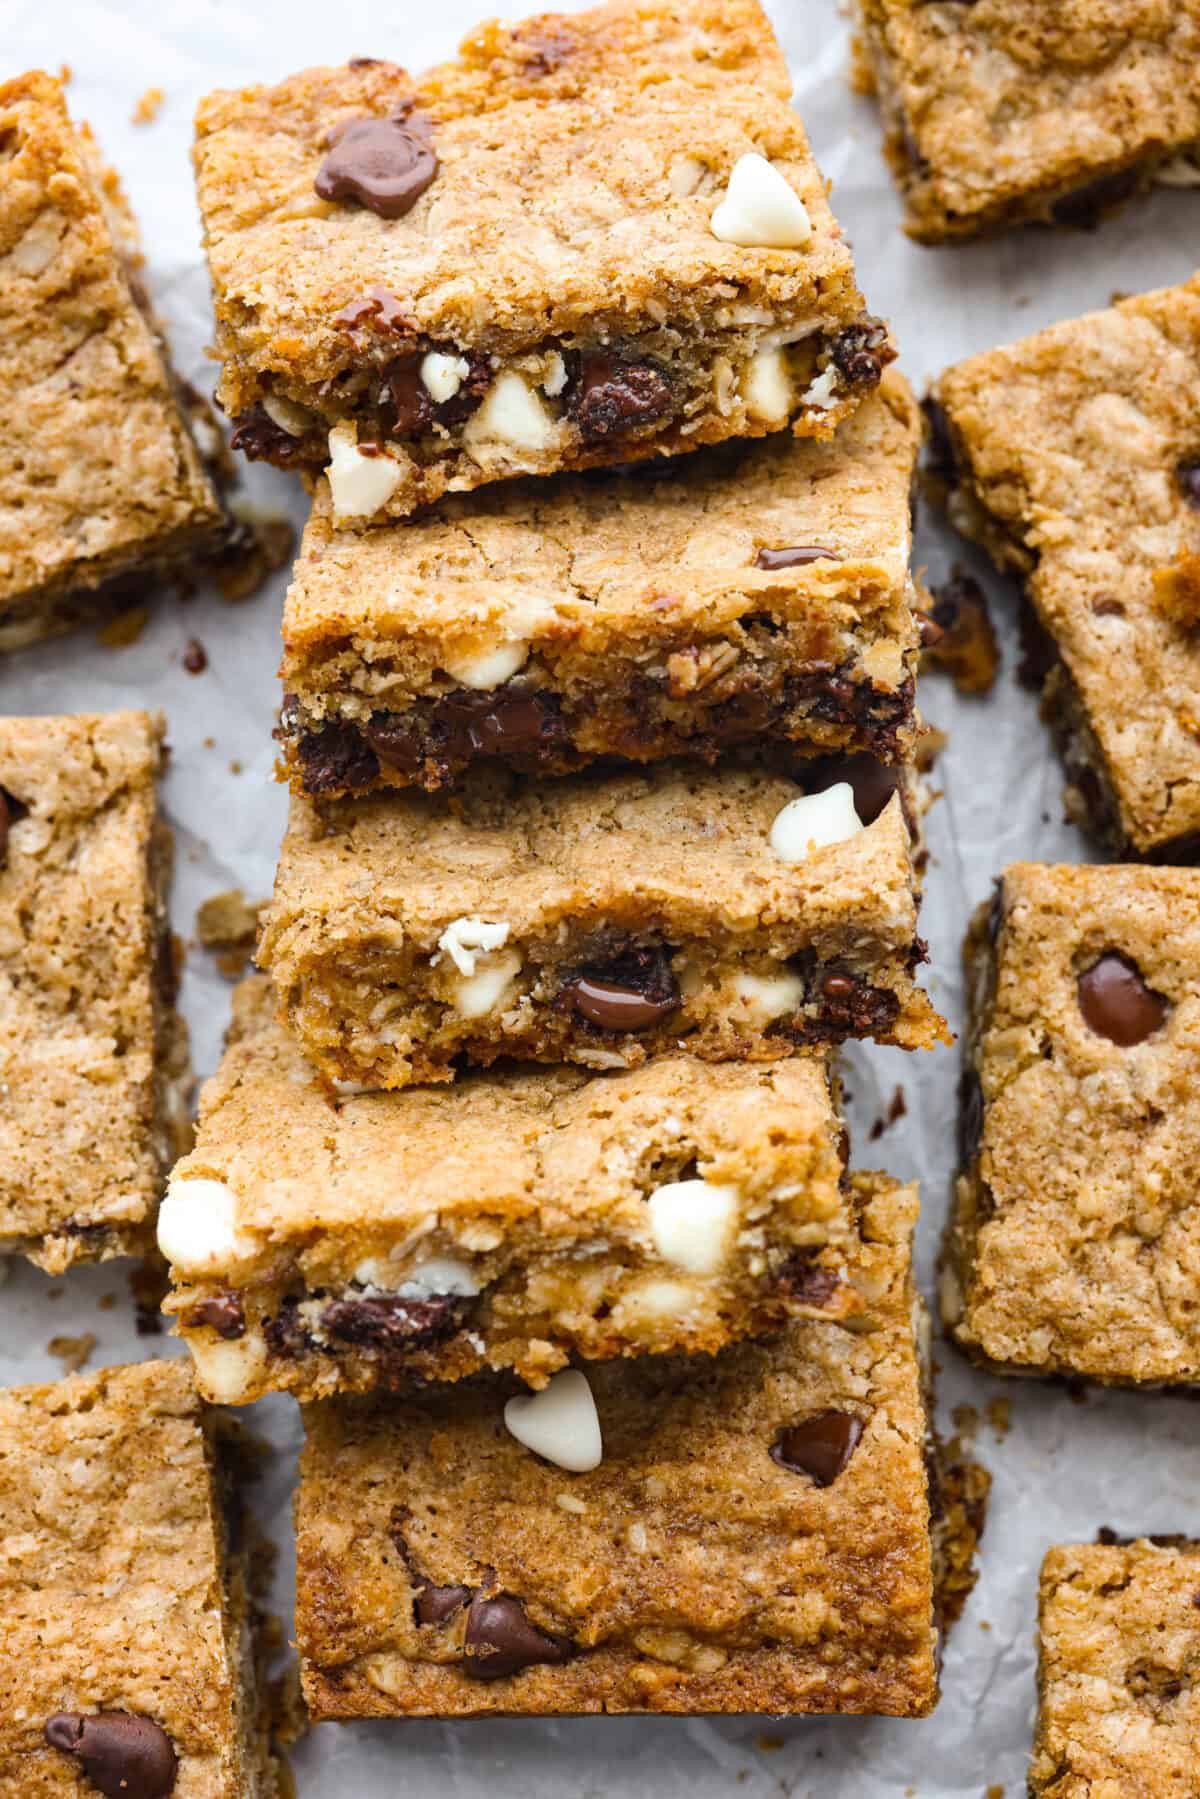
1068	1465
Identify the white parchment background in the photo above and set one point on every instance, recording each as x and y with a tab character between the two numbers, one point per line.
1067	1466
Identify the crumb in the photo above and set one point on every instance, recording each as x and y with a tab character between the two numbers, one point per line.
73	1352
195	656
965	644
994	1792
258	546
124	629
985	1624
767	1743
966	1421
55	1292
146	110
228	923
897	1107
65	73
965	1487
999	1415
106	1302
236	767
208	743
1117	295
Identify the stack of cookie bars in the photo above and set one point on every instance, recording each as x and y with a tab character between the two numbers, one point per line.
524	1170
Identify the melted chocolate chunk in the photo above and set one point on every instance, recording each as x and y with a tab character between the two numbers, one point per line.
796	556
260	439
1116	1002
384	164
287	1334
501	1641
389	1322
512	723
633	992
872	782
821	1447
807	1283
433	1605
414	409
125	1756
221	1312
1187	475
860	353
1085	206
335	757
609	395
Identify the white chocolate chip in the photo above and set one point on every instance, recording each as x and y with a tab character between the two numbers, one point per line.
359	485
489	668
768	996
197	1227
511	414
652	1299
570	1502
692	1222
464	938
814	820
687	172
487	989
293	419
824	391
443	375
555	378
437	1277
560	1423
760	209
767	386
226	1373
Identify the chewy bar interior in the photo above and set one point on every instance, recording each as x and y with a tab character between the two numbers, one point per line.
93	1056
629	187
1002	112
323	1243
754	590
594	921
754	1528
128	1622
1119	1646
103	487
1074	456
1076	1231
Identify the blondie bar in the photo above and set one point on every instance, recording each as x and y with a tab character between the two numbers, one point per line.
1074	457
103	487
1076	1235
593	239
93	1055
1003	112
755	591
748	1532
320	1244
593	921
1119	1647
126	1609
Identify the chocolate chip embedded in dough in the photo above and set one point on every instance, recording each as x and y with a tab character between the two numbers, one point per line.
861	351
382	163
124	1755
1116	1002
501	1641
797	555
609	395
872	782
820	1447
1187	475
633	992
220	1312
336	757
433	1605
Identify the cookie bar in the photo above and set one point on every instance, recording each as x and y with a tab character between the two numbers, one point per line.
126	1611
599	922
321	1244
628	187
748	1532
1074	457
1119	1644
755	590
1008	112
93	1055
1076	1235
103	487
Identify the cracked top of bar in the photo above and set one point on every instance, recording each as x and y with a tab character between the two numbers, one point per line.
550	622
1078	466
574	166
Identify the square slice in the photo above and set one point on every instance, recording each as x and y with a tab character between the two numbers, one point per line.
594	921
1075	459
748	1532
127	1618
103	486
594	238
93	1055
1076	1239
753	591
1019	111
1118	1650
321	1244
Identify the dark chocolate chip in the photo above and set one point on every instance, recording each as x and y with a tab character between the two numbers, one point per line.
379	308
414	408
1116	1002
821	1447
501	1641
501	724
838	987
286	1333
609	394
195	656
803	1278
433	1605
796	556
1187	474
872	782
633	992
861	351
1084	207
220	1312
385	164
260	439
123	1755
970	1116
335	758
1104	606
389	1322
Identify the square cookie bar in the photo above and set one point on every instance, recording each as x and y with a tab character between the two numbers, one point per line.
592	239
1074	457
103	487
1119	1645
594	921
748	1532
93	1055
1076	1238
1004	112
320	1244
752	591
128	1622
